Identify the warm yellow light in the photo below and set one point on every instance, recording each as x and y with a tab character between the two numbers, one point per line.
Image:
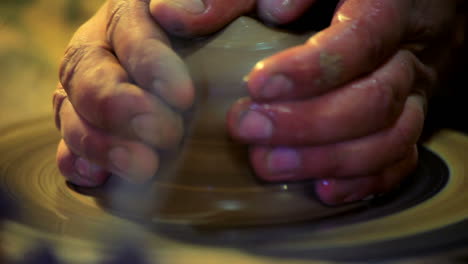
260	65
342	17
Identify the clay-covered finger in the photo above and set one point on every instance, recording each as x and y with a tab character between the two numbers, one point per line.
338	191
363	156
282	11
355	44
358	109
188	18
131	160
78	170
142	47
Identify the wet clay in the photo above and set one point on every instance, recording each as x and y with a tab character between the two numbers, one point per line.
210	180
217	66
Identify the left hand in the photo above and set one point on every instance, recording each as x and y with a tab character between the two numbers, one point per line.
347	107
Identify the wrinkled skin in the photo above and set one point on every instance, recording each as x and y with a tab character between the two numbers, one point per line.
123	90
345	108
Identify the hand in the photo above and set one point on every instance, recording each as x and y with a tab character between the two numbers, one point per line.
347	107
123	90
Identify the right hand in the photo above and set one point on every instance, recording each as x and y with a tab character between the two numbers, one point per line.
123	90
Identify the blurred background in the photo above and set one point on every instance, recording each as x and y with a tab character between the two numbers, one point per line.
33	37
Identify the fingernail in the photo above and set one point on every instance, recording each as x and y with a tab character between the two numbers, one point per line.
283	160
119	159
82	166
276	8
276	86
324	183
282	5
254	125
420	101
145	127
191	6
85	169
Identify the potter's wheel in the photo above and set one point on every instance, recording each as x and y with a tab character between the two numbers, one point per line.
427	215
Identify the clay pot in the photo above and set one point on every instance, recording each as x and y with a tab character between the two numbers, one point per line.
217	66
209	181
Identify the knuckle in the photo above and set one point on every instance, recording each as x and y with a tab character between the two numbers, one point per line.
372	45
116	11
114	107
81	66
97	76
75	55
57	101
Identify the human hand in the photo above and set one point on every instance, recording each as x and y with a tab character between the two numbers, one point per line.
347	107
123	90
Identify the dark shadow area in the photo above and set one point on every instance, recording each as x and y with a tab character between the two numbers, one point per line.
42	254
316	18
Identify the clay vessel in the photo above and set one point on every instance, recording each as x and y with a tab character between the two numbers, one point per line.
217	66
209	181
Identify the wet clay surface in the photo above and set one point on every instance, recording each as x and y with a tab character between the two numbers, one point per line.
210	180
218	65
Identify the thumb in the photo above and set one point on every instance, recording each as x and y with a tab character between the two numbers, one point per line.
189	18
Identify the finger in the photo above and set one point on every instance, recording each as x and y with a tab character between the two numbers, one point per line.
130	160
339	191
78	170
99	90
143	49
362	156
189	18
360	108
359	40
282	11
